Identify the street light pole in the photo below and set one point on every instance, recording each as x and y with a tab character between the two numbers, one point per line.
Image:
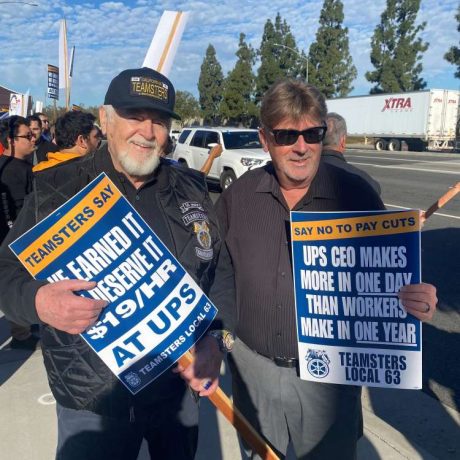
295	52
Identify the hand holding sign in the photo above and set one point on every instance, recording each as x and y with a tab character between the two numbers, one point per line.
419	300
59	306
214	153
232	414
204	368
156	310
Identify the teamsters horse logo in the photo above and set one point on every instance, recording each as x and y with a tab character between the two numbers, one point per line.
317	363
132	379
203	236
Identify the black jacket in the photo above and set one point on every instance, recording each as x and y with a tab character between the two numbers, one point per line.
43	148
15	183
77	377
335	158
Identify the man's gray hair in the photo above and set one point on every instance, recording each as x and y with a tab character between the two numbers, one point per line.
294	100
336	129
109	110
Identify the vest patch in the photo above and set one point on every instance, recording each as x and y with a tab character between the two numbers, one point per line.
203	236
194	216
184	207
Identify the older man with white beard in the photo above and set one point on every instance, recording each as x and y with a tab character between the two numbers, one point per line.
97	417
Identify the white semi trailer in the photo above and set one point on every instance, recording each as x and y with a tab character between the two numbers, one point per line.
421	119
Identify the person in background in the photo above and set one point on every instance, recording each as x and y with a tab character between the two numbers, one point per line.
76	136
46	126
42	145
99	136
214	153
15	183
334	146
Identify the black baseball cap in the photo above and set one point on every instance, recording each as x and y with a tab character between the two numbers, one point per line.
143	88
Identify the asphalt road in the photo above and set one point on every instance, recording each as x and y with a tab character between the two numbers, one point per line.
416	180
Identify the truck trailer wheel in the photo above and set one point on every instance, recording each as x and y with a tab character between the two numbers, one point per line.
394	145
380	144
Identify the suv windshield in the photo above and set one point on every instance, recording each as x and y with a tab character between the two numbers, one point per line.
183	135
241	140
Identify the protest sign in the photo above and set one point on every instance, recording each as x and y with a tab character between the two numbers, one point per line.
348	269
17	105
156	310
53	82
163	48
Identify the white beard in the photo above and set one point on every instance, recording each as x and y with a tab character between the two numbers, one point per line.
142	167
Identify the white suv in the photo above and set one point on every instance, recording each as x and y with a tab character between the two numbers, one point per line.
241	151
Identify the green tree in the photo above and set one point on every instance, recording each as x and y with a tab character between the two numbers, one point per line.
396	51
237	104
279	56
187	107
331	67
453	55
210	86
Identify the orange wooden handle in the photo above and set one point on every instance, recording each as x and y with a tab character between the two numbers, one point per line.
236	418
443	200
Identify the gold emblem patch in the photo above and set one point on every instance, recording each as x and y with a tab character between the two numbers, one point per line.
142	86
203	236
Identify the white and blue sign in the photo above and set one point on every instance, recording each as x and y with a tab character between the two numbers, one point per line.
156	310
348	270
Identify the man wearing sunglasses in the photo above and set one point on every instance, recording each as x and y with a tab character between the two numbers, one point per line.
322	421
15	182
15	168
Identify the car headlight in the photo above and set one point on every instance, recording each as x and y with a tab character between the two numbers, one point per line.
248	162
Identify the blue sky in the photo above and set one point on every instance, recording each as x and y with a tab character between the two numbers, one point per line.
111	36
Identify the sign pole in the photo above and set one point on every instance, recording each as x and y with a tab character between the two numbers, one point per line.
443	200
236	418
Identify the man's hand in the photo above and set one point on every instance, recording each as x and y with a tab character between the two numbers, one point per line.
419	300
203	374
422	218
216	151
58	305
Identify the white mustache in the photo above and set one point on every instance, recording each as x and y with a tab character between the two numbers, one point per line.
143	143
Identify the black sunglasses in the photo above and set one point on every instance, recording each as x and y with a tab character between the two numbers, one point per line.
289	136
27	136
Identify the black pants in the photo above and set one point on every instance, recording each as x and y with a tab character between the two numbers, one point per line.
171	433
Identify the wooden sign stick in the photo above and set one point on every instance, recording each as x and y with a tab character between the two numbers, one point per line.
443	200
236	418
